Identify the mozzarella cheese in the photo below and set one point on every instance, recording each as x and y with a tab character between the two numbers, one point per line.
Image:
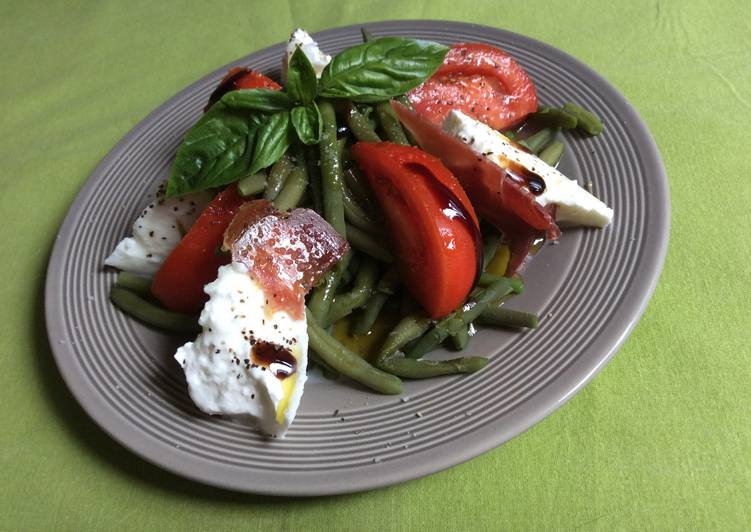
156	232
574	205
310	48
223	372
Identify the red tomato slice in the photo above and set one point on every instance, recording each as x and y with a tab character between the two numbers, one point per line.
431	222
178	285
498	198
482	82
241	78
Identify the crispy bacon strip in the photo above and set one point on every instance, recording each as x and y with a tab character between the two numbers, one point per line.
287	253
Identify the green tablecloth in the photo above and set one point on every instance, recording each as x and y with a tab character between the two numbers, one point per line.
660	439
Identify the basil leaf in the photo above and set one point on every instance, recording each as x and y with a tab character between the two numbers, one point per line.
272	141
302	82
307	123
262	100
216	151
380	69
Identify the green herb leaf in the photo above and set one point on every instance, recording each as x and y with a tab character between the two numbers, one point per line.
302	83
307	123
272	141
381	69
216	151
261	100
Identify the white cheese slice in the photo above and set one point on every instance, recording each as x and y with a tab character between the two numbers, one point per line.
574	205
310	48
222	372
158	229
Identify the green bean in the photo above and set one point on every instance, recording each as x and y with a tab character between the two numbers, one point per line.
351	270
372	308
355	214
331	170
390	281
369	313
348	363
514	133
554	117
344	304
487	278
292	191
490	247
362	241
477	302
390	124
341	145
326	370
411	327
587	121
277	175
424	369
359	188
312	163
552	153
358	124
504	317
323	295
252	185
536	142
151	314
135	283
460	338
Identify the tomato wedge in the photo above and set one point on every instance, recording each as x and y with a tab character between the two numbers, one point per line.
481	81
431	222
241	78
498	198
178	285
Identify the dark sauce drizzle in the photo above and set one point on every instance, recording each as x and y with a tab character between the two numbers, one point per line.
454	210
531	180
534	182
277	358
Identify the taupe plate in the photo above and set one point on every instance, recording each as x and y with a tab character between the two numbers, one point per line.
590	289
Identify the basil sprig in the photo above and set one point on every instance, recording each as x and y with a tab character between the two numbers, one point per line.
250	129
381	69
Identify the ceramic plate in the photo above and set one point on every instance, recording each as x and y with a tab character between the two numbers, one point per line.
590	289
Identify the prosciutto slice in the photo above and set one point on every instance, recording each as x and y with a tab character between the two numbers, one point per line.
286	252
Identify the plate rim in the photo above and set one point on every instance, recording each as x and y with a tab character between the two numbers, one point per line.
538	406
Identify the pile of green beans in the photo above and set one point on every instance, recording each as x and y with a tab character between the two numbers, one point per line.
543	142
365	284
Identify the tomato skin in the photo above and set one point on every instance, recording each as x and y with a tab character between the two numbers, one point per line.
241	78
481	81
178	285
431	222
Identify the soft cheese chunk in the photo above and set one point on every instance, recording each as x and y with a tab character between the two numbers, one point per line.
158	229
574	205
310	48
248	361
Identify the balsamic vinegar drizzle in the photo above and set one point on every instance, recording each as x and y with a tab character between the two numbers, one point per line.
531	180
277	358
453	210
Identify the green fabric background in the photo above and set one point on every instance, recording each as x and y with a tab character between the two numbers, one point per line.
661	439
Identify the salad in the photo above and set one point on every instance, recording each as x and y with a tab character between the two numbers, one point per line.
369	209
